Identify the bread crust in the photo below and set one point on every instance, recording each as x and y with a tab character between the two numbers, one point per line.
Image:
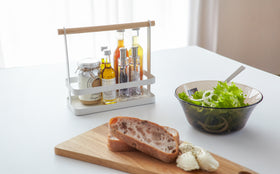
118	129
117	145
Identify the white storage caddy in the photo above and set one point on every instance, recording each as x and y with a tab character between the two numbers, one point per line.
76	106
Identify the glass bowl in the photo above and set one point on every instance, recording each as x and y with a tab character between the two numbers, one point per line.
218	120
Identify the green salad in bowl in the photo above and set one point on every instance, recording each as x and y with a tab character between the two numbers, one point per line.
217	107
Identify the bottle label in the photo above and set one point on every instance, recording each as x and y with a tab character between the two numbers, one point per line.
135	76
123	78
109	95
89	82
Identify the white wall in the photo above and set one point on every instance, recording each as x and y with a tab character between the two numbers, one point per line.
249	31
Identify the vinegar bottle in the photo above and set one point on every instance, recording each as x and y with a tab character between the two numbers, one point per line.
120	37
135	36
108	78
123	72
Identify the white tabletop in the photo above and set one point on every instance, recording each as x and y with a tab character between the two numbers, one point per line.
35	117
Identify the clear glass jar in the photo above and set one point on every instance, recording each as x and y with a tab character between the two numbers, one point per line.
89	77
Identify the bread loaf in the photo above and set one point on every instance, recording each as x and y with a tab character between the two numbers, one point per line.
116	145
147	137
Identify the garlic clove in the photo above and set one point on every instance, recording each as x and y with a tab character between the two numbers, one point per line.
205	160
187	161
185	147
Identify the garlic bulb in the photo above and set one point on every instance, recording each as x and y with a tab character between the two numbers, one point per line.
195	157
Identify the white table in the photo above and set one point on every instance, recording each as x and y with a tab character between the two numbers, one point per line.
35	117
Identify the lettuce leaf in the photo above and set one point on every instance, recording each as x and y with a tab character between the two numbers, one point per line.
224	95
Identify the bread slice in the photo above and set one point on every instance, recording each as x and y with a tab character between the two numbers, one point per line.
147	137
116	145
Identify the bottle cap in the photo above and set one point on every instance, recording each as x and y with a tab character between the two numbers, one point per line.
107	52
135	31
122	52
88	63
122	55
103	48
134	51
120	34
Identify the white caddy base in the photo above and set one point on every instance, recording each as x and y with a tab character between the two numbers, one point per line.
80	109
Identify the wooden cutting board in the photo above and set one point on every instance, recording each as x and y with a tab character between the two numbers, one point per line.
91	146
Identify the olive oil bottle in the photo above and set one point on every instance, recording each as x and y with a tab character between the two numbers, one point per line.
135	43
108	78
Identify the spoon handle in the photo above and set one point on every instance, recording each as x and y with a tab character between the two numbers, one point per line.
235	73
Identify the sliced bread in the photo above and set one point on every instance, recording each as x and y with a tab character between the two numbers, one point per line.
147	137
117	145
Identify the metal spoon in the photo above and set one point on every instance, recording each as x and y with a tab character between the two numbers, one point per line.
235	73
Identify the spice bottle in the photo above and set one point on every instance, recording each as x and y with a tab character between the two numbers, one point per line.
134	71
89	77
123	72
108	78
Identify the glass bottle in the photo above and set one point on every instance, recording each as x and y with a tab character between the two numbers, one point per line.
134	71
123	72
120	37
89	77
108	78
135	36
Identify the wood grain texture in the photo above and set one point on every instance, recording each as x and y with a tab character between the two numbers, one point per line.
91	147
105	27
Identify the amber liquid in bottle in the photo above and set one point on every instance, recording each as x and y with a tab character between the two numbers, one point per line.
117	52
108	78
102	65
135	36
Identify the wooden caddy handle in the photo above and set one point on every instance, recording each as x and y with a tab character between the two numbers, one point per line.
106	27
